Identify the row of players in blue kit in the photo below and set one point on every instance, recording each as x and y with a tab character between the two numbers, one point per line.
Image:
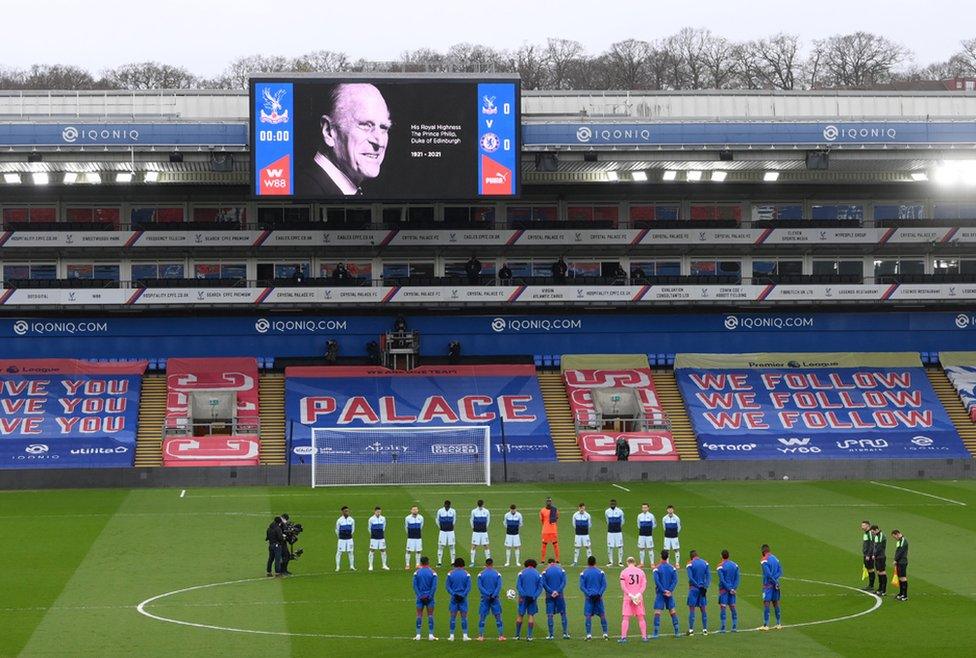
531	585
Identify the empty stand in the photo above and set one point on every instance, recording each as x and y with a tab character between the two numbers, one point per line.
273	443
954	405
670	397
560	416
152	414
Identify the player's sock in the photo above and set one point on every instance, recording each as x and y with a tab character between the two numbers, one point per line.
545	547
555	549
691	620
620	550
603	624
674	622
369	560
883	582
481	626
549	621
338	559
487	553
500	625
383	558
721	618
677	558
642	623
518	556
565	624
575	556
765	616
518	628
871	579
464	624
406	560
704	619
904	585
352	560
588	623
624	626
417	556
440	553
472	556
640	556
778	615
452	623
528	633
430	623
735	619
508	556
419	622
657	624
453	555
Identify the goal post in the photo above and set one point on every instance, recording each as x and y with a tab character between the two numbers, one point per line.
349	456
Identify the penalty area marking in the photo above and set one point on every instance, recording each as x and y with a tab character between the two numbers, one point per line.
920	493
141	608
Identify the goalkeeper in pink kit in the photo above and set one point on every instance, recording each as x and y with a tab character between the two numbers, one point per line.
633	582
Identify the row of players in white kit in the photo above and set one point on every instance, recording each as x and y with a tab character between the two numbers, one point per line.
481	518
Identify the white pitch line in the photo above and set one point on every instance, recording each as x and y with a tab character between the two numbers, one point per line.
183	493
920	493
877	604
619	487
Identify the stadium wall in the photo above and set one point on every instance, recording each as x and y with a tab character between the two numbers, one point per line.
608	472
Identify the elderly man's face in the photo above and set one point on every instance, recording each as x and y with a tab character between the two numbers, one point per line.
359	132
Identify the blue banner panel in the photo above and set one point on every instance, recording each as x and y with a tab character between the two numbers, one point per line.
818	413
751	133
274	138
60	413
123	134
497	139
507	399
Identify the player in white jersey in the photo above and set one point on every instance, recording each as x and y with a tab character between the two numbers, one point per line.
672	528
582	522
377	537
480	518
446	518
344	528
615	533
513	538
645	534
414	525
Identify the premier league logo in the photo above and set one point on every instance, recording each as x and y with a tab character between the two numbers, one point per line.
272	103
488	105
490	142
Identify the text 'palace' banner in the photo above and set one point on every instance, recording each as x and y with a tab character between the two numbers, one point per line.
64	413
819	413
507	399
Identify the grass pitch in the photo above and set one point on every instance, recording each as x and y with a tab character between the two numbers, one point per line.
79	563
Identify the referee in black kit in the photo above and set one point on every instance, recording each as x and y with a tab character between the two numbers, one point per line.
276	546
901	564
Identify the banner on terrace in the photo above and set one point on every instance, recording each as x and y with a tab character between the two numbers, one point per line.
65	413
817	413
505	398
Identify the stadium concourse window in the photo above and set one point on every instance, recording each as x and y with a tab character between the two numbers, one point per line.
962	210
271	215
716	268
903	210
35	271
715	211
342	216
359	270
139	215
652	212
837	211
644	268
893	266
416	215
283	270
111	215
773	212
27	214
779	267
600	215
455	268
96	271
460	215
583	269
228	270
409	270
530	214
834	267
142	271
219	215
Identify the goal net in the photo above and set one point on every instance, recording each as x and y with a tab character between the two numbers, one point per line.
401	455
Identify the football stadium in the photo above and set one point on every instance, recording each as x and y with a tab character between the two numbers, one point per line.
282	367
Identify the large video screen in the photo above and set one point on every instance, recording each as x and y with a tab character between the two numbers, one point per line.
385	139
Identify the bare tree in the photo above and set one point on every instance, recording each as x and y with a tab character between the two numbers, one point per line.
771	63
562	59
721	59
963	63
236	75
149	75
528	62
687	52
321	61
422	60
60	76
857	60
627	64
475	58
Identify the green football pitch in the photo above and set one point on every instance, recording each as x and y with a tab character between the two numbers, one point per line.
80	563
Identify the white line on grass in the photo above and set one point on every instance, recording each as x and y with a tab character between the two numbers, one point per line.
619	487
877	604
920	493
183	494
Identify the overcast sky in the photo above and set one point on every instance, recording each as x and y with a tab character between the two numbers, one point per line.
203	35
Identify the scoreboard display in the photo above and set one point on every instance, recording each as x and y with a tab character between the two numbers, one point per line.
386	138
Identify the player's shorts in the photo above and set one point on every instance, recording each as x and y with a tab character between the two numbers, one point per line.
344	546
458	606
377	544
486	608
415	545
429	605
671	544
880	563
902	569
582	541
445	538
591	607
615	540
528	606
550	539
869	562
479	538
631	609
724	598
770	594
696	599
645	542
513	541
662	602
555	606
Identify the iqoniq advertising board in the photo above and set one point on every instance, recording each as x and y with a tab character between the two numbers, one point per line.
385	138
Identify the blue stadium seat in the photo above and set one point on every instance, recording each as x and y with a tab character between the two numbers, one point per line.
670	359
557	360
537	359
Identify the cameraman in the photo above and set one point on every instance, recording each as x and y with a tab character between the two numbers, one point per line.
275	537
290	531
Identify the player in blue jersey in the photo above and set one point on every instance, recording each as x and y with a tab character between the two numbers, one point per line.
490	587
554	583
672	530
344	528
513	537
414	525
615	533
645	534
581	532
772	571
665	583
528	586
593	584
699	578
728	584
377	537
446	518
425	588
458	586
480	518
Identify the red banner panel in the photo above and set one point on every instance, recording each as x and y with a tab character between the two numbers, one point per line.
183	376
644	446
241	450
